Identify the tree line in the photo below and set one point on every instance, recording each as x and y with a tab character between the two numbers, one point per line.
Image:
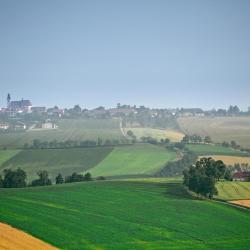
38	144
17	178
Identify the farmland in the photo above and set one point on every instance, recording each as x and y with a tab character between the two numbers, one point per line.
12	238
133	160
139	159
68	129
233	190
64	161
219	128
158	134
124	215
209	149
5	155
231	160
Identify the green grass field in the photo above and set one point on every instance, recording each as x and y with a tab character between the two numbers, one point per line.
219	128
5	155
235	190
77	129
64	161
206	149
133	160
124	215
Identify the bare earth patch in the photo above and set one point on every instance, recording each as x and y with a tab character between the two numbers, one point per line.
14	239
244	203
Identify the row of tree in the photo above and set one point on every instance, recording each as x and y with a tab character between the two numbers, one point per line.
201	177
196	139
38	144
17	178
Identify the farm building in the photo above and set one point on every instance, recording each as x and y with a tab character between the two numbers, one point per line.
241	176
4	126
49	125
20	106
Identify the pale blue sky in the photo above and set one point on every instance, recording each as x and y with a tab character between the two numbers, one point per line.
157	53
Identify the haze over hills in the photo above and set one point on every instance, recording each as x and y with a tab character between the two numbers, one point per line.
125	124
160	54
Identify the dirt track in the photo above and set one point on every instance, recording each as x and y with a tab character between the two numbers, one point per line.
244	203
14	239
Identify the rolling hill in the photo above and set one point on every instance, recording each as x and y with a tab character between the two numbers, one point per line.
219	128
124	215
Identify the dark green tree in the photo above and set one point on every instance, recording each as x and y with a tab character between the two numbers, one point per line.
59	179
43	179
87	177
14	178
1	181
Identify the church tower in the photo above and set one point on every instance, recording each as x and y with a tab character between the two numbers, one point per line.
8	100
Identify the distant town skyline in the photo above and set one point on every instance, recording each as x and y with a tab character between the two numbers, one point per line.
153	53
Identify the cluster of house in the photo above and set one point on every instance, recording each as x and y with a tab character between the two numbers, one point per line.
241	176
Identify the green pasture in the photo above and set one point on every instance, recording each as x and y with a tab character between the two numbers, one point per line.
124	215
137	159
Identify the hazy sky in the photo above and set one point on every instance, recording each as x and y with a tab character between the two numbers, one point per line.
157	53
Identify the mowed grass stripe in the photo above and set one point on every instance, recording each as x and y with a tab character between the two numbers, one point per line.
64	161
5	155
233	190
124	215
133	160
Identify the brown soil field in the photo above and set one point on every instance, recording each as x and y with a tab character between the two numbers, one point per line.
230	160
244	203
14	239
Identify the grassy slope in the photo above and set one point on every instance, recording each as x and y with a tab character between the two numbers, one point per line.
5	155
205	149
157	133
219	128
124	215
65	161
233	190
133	160
77	129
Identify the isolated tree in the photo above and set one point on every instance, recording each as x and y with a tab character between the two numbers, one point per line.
14	178
87	177
59	179
1	181
99	141
201	177
43	179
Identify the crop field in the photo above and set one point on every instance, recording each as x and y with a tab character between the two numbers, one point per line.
124	215
231	160
158	134
75	129
219	128
233	190
244	203
14	239
64	161
133	160
207	149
